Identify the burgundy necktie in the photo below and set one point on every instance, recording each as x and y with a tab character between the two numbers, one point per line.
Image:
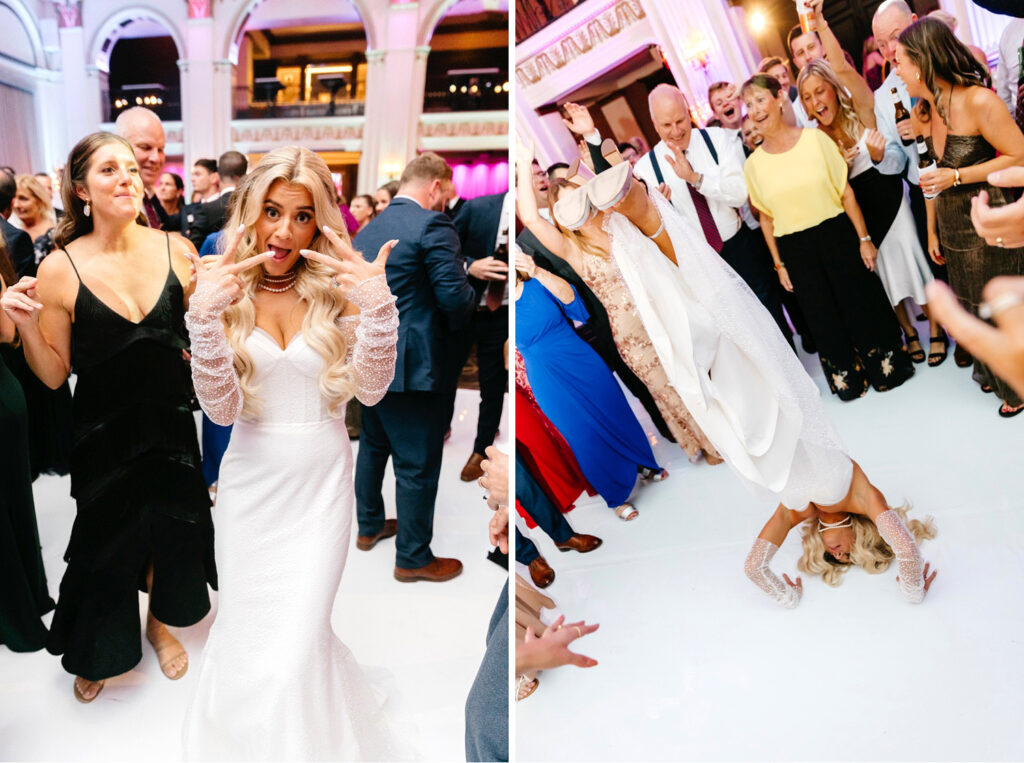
495	291
707	221
151	213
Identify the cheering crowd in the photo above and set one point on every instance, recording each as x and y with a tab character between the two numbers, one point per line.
254	302
817	197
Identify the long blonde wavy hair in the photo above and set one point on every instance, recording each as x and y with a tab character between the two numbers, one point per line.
298	166
869	550
846	120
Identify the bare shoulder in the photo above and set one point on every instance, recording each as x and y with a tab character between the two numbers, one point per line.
181	247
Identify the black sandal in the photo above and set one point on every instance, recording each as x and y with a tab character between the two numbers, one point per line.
915	355
1008	412
937	358
962	358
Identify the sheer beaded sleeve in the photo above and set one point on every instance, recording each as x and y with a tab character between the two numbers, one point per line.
761	575
213	362
908	558
372	338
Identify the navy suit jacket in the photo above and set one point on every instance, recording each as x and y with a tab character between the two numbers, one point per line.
477	223
19	249
427	275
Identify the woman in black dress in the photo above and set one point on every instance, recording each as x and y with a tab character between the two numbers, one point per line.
111	305
24	597
971	132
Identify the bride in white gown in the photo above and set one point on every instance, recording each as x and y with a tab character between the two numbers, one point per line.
738	378
288	326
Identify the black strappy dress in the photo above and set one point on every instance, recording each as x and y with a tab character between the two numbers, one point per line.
135	475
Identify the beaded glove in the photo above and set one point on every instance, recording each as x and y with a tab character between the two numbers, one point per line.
911	566
372	338
760	574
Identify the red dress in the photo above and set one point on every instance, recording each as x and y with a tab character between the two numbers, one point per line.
546	453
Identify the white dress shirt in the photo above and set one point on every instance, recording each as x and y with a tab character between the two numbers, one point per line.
724	185
1008	71
896	154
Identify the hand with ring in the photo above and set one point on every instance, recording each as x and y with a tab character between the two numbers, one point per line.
551	649
937	180
1001	347
1001	226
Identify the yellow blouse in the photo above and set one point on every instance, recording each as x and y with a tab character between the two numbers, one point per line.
799	188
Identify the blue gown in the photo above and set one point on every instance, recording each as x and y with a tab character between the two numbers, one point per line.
579	394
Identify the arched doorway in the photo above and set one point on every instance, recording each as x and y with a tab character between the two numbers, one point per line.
302	60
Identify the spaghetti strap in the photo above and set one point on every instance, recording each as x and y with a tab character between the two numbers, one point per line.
168	237
72	264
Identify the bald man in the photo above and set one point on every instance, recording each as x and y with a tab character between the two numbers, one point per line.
145	132
704	173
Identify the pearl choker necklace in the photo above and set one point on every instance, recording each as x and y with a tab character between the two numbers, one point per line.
845	522
285	282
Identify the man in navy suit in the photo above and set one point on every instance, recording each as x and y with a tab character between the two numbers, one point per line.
482	224
426	273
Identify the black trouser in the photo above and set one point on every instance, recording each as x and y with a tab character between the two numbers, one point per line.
489	331
407	427
746	257
859	341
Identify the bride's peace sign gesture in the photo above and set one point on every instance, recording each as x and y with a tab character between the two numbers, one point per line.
348	266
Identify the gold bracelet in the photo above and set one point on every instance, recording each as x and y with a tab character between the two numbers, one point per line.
956	176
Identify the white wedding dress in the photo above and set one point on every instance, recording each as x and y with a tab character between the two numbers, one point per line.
729	362
275	683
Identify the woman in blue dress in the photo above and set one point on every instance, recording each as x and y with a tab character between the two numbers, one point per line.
576	390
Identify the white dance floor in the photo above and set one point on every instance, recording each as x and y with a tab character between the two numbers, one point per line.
421	643
695	663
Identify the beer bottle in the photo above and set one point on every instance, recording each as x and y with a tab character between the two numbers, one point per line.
925	163
901	115
807	23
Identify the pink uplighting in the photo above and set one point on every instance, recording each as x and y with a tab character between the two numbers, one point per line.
480	178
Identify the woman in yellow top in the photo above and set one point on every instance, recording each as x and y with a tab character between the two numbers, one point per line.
797	178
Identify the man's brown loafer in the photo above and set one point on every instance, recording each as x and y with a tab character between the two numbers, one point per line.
541	572
366	542
437	571
581	543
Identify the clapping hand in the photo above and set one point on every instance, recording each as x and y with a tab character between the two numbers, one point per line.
1000	226
1001	347
347	266
19	302
874	141
551	649
579	122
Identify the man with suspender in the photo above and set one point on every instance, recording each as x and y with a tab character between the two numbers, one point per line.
704	180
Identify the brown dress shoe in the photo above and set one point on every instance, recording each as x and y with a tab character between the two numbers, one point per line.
472	471
366	542
581	543
541	572
437	571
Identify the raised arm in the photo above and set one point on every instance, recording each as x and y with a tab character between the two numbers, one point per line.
783	590
526	204
557	285
863	97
